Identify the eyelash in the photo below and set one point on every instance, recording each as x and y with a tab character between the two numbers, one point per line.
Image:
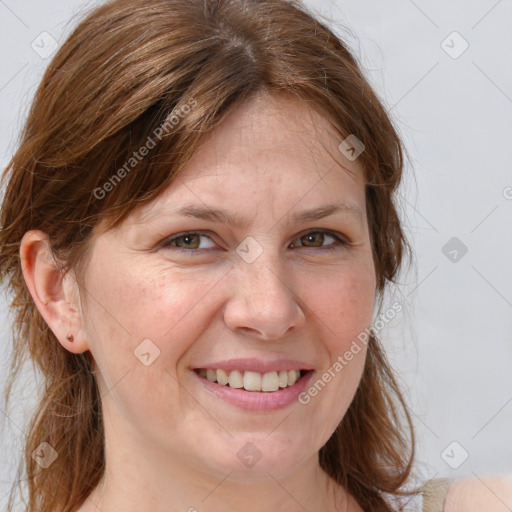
339	244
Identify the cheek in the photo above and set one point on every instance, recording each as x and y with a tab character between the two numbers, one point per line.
344	303
137	302
345	307
127	306
137	312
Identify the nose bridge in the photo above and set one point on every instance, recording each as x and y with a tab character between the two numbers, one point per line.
262	298
266	278
261	260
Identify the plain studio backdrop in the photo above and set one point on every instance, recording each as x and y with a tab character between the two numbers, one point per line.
443	70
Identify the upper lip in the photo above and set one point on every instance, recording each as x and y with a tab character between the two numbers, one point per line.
256	365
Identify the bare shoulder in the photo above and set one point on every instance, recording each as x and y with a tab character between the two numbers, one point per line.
489	493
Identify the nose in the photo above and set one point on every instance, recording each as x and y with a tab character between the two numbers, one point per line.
263	303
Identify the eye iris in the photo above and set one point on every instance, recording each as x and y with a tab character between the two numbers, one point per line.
312	236
187	238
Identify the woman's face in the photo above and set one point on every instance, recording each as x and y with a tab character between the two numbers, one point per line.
268	286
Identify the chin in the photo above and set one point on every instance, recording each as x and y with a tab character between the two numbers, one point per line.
255	458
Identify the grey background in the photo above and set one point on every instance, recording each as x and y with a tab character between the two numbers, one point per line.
452	344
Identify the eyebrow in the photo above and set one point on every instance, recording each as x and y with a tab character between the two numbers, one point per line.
225	217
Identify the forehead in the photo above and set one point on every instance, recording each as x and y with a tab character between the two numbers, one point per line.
272	127
273	148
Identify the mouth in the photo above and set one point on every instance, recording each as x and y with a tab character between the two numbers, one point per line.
268	382
253	390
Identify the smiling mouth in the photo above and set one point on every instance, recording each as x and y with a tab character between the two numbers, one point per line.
253	381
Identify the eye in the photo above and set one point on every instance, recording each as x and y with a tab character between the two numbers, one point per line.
316	238
190	243
187	242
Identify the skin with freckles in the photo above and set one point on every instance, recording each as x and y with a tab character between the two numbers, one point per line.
179	281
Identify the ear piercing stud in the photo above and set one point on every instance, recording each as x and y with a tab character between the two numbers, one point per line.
70	338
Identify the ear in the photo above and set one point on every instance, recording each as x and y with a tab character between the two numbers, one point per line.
55	294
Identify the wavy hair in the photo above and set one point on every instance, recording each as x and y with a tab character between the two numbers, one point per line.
127	68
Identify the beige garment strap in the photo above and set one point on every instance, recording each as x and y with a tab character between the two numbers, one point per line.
434	494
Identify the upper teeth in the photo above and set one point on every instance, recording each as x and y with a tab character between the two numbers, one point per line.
252	381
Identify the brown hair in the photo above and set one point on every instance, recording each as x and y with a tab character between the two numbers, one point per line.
123	73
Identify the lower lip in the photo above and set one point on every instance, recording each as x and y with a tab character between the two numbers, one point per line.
257	400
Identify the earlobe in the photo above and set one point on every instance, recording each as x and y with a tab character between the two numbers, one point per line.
52	291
